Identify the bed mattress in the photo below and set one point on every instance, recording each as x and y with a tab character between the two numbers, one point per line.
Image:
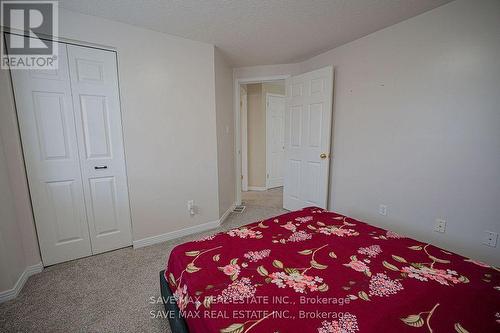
318	271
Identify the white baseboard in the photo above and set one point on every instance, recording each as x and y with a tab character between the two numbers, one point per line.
9	294
183	232
226	214
256	188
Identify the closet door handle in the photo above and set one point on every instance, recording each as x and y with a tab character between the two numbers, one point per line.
101	167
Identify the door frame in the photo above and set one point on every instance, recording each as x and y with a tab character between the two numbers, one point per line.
60	39
237	125
267	132
244	140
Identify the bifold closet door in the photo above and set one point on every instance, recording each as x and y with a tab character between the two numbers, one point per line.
94	86
70	124
47	125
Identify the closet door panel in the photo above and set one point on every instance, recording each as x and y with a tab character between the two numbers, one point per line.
94	85
95	124
104	206
47	125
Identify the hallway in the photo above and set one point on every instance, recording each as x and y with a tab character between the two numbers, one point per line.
269	198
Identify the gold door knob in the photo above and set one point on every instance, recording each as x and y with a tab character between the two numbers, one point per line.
323	156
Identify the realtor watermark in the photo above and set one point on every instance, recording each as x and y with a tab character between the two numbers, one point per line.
283	307
25	25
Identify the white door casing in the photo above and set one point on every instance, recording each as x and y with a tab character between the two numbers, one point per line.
244	139
48	133
308	120
94	85
275	140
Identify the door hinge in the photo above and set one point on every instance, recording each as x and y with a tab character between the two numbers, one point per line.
267	176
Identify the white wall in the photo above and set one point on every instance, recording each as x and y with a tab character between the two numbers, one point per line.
12	258
18	243
417	126
15	169
225	132
252	72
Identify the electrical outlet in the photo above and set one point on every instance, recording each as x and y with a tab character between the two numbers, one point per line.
382	210
490	238
440	225
190	206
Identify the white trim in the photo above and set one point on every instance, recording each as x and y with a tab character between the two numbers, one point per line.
175	234
268	167
59	39
237	123
257	188
244	141
182	232
10	294
226	214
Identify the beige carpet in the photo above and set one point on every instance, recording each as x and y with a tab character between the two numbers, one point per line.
270	198
109	292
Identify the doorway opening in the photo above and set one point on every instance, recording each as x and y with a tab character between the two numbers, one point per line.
307	137
262	135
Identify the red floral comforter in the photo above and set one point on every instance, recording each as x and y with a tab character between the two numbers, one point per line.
317	271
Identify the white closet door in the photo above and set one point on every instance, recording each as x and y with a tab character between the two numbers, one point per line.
47	124
308	123
94	85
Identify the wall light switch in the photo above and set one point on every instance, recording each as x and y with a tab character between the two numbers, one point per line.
490	238
440	225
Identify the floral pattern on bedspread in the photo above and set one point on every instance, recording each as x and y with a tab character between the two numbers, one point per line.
318	271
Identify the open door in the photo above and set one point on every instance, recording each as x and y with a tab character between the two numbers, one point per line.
308	120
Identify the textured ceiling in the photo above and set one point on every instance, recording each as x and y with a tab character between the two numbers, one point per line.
260	32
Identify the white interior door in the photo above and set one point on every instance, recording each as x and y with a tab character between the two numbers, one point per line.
308	120
47	125
94	85
275	140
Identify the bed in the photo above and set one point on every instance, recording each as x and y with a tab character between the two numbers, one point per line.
318	271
